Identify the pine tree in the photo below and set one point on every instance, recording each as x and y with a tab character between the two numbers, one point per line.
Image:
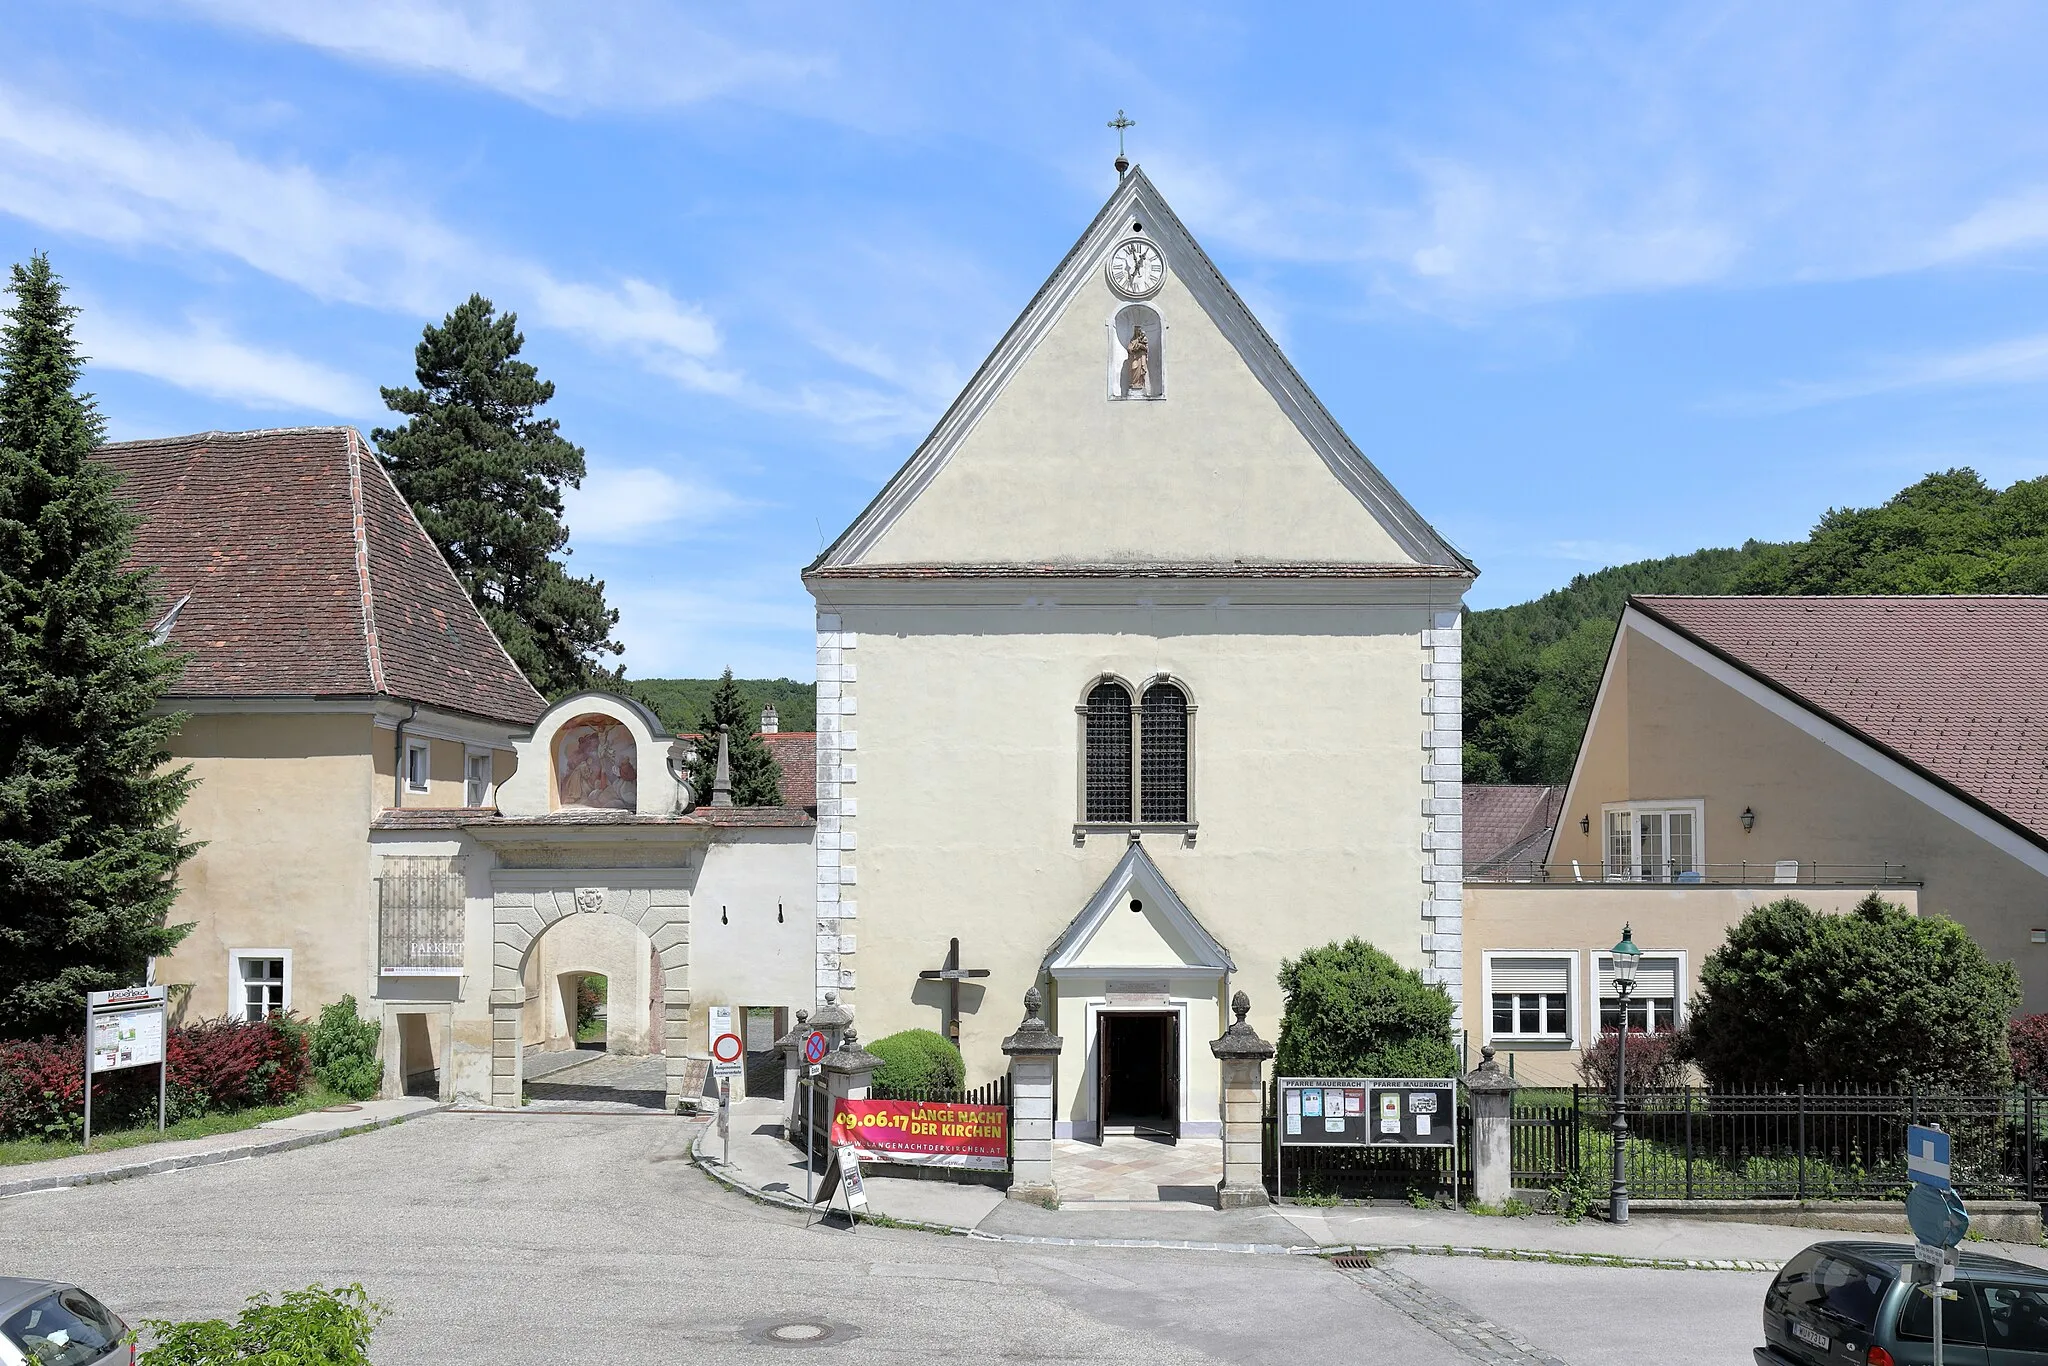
89	840
756	777
485	477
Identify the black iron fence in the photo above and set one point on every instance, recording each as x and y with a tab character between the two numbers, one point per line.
1700	1143
995	1092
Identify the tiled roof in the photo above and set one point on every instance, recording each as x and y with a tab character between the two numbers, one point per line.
797	752
1502	819
1956	687
714	817
308	574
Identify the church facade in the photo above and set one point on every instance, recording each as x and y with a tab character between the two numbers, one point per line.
1136	679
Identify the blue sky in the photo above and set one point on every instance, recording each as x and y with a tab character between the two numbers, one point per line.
1589	283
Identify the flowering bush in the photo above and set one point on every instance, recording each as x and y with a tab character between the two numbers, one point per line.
1653	1061
2027	1037
214	1065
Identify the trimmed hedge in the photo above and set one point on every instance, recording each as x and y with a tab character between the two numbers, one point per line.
214	1065
918	1058
1351	1011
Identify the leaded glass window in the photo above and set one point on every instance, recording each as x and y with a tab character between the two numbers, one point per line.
1163	754
1109	752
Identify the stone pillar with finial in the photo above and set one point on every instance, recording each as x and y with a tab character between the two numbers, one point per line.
831	1019
1243	1055
792	1046
1034	1052
721	777
1491	1093
848	1070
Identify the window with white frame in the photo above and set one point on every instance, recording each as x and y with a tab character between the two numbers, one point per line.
1529	996
1654	841
476	791
262	983
1653	1007
416	765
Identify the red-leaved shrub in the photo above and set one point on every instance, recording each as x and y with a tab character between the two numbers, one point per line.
1653	1061
213	1066
2027	1036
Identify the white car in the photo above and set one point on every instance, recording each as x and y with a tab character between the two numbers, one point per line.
48	1323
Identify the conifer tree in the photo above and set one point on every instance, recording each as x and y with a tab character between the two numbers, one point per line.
89	840
756	777
485	476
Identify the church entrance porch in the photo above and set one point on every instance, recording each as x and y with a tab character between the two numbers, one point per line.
1138	1068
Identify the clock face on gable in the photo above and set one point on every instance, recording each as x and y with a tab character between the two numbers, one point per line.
1136	269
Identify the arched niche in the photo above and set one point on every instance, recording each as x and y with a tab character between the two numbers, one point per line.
596	764
1124	348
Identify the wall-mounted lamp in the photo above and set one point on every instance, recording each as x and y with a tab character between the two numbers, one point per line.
1585	825
1748	820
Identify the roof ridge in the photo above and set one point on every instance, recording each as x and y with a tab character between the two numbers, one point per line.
358	528
218	433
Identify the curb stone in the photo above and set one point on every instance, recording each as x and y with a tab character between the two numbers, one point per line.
766	1197
187	1161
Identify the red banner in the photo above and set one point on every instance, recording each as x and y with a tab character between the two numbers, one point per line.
925	1133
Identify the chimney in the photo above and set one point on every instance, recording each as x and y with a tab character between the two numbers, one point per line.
771	724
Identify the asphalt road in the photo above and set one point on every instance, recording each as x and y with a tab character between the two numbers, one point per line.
580	1239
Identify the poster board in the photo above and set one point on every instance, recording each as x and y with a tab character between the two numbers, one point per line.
1368	1112
923	1133
127	1032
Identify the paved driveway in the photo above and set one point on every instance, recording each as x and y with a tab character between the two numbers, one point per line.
576	1239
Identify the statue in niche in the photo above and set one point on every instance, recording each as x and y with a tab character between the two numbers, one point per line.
1138	363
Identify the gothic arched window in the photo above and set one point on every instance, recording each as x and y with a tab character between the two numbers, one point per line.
1108	758
1163	754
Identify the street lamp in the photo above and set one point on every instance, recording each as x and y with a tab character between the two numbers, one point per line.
1626	958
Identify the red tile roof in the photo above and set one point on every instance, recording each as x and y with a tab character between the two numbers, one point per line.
1956	687
309	575
797	752
1502	821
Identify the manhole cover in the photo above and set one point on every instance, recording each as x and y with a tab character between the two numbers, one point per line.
797	1332
339	1109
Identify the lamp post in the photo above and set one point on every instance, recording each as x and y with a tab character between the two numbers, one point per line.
1626	957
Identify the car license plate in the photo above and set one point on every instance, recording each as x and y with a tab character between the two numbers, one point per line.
1812	1337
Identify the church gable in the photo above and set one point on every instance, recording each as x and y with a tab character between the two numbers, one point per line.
1136	920
1137	414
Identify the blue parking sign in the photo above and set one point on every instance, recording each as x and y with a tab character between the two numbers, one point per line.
1927	1154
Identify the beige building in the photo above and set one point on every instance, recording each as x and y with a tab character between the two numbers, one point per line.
1136	678
1743	749
389	811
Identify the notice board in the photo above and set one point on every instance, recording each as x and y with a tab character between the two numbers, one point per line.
1368	1112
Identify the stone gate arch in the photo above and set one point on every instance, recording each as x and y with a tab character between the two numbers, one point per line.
526	902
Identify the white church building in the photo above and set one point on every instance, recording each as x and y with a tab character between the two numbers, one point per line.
1136	679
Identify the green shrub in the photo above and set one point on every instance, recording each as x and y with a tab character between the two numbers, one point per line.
310	1327
918	1058
344	1052
1876	997
1348	1010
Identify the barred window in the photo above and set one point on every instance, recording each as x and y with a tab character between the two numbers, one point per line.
1163	754
421	902
1109	753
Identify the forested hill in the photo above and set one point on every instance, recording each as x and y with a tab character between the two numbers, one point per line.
1531	670
680	701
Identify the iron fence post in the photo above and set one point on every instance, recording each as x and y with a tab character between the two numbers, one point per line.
1802	1141
1688	1141
2030	1138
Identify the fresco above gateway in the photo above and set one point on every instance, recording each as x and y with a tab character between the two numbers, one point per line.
595	764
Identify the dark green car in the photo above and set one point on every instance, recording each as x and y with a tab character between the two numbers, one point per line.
1841	1303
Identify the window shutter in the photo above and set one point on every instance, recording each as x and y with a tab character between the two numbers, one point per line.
1655	977
1531	976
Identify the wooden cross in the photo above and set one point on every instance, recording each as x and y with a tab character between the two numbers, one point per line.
952	974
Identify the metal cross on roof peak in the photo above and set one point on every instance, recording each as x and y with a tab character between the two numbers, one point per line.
1123	163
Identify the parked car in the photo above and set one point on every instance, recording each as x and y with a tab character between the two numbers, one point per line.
1859	1302
48	1323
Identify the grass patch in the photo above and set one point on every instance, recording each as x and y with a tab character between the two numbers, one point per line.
15	1152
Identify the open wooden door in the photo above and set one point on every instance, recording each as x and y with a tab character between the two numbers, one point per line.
1103	1033
1172	1033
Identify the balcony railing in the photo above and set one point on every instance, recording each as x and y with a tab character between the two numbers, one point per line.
1784	872
420	914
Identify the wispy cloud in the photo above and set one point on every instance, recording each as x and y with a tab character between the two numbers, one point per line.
349	243
758	627
2016	360
203	358
626	54
629	506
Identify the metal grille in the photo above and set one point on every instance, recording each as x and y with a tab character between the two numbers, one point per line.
1163	753
1109	753
420	904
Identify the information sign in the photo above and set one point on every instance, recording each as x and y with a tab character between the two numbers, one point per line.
850	1182
728	1049
1374	1112
1927	1155
124	1028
